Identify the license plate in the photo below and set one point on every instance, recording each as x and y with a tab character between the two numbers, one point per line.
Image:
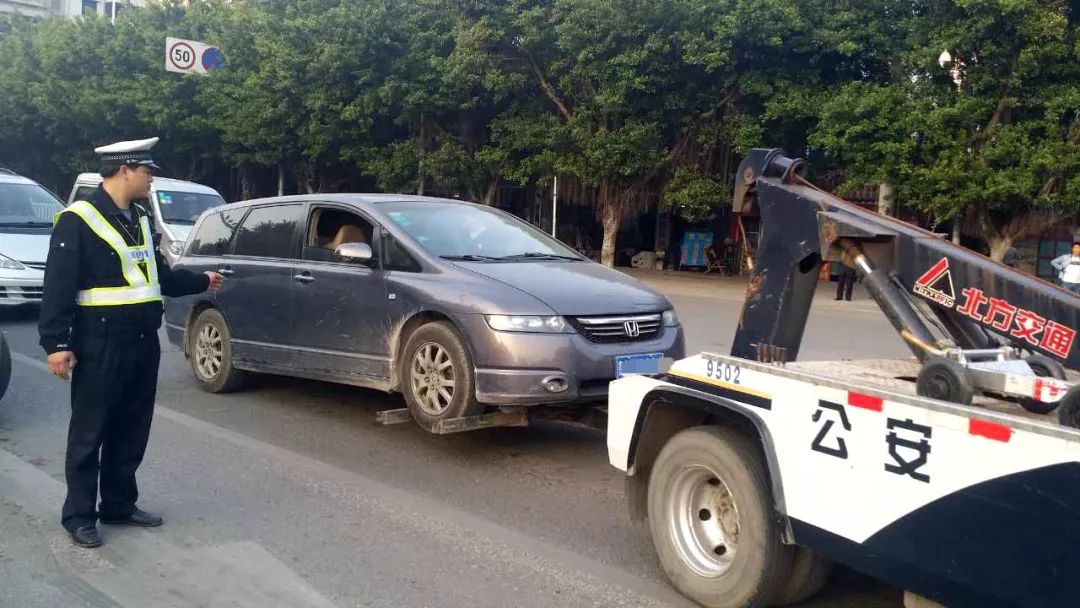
629	365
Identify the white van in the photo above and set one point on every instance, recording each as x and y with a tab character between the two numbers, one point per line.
26	215
175	205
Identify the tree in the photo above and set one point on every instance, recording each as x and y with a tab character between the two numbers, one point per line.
993	139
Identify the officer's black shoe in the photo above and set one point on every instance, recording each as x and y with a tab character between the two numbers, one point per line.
86	536
138	517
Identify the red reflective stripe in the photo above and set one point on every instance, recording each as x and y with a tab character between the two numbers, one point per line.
865	401
990	430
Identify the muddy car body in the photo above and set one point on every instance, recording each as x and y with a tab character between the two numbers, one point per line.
459	306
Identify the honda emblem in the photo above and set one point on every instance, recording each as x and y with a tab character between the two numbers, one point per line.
632	329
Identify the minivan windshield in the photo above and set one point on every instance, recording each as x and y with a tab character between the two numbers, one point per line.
473	233
27	205
185	207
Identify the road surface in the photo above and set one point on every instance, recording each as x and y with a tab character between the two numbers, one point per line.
289	494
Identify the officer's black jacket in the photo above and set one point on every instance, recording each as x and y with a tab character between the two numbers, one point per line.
78	259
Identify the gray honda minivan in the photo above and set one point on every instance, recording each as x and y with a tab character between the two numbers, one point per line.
458	306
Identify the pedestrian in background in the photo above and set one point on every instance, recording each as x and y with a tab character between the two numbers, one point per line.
100	314
845	282
1068	266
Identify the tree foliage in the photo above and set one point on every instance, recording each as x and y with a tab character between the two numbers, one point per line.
636	101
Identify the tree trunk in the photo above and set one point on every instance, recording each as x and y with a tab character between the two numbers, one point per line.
245	184
610	217
999	246
280	180
421	143
490	192
886	199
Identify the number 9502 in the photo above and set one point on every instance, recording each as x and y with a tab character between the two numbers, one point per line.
723	371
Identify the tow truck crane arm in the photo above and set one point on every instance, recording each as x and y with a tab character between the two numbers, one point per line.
965	317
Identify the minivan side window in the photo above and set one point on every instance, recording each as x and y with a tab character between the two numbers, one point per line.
331	227
215	233
269	232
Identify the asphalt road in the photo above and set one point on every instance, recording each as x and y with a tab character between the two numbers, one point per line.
289	494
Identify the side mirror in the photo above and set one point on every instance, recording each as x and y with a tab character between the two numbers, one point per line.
354	252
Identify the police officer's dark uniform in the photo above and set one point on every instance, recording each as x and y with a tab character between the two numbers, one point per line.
104	282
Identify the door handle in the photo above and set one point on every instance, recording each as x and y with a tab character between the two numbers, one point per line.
303	278
227	272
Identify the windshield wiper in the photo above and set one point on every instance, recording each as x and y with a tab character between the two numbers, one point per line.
182	222
539	256
469	258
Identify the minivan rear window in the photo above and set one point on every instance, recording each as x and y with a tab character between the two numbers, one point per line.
215	232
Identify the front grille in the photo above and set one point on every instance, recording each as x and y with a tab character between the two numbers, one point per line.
34	265
21	293
618	329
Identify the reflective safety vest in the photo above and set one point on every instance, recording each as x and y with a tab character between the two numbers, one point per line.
140	287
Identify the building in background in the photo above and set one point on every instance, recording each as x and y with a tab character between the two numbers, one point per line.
66	8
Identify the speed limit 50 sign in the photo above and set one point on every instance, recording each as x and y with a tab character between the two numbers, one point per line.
191	57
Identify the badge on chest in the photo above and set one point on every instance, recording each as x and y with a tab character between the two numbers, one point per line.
140	255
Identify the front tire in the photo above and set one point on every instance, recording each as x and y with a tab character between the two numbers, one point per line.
712	520
437	376
809	575
212	354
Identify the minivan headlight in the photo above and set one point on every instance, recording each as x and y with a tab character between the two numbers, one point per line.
525	323
7	263
670	319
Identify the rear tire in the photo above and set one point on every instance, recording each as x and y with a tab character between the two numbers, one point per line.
5	365
712	520
211	353
1044	367
437	376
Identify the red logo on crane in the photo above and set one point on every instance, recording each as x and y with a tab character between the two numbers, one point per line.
937	285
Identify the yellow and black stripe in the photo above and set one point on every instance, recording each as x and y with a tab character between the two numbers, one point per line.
727	390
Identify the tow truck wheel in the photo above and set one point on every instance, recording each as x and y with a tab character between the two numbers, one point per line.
1044	367
1069	408
712	521
944	379
212	355
809	574
5	365
437	376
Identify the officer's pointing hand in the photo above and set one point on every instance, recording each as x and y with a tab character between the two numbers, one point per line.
216	281
61	363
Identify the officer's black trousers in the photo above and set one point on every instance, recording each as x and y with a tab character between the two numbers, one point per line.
112	404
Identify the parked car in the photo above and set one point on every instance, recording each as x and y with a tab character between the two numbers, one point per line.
458	306
26	217
174	204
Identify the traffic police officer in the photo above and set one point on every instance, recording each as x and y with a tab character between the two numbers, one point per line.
100	314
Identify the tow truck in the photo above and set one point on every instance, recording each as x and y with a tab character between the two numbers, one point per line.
953	475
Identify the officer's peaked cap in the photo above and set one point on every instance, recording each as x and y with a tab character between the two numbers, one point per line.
136	152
